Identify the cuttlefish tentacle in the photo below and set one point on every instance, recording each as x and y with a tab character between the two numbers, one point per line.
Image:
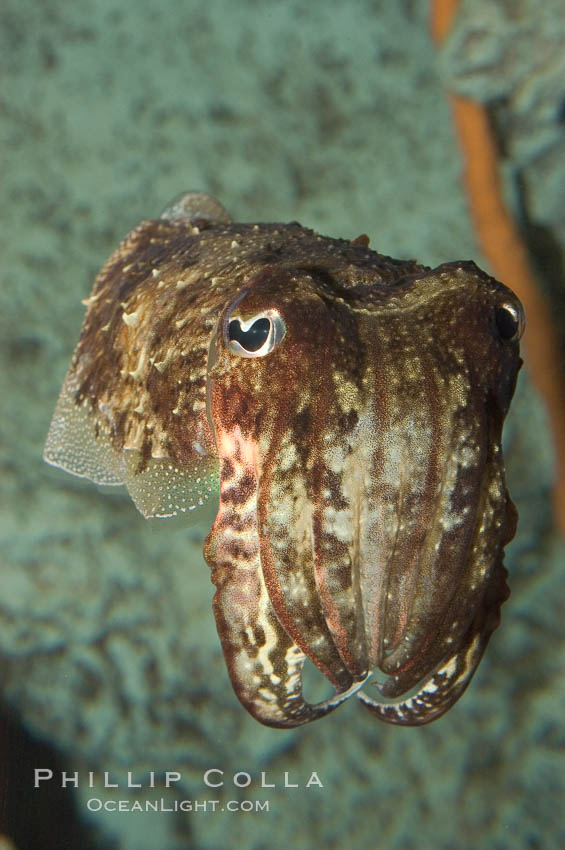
440	690
460	556
264	662
308	569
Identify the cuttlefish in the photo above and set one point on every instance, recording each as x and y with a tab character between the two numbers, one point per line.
348	407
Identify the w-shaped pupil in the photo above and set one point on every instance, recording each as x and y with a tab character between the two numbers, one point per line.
253	338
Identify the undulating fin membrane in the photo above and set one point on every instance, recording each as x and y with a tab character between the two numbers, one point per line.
160	488
80	442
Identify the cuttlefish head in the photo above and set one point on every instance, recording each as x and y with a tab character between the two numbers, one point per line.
363	507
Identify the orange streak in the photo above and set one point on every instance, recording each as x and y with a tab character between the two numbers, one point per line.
441	17
502	245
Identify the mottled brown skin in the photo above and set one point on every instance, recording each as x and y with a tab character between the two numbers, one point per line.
363	508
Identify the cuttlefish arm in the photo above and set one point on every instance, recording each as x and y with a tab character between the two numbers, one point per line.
264	662
440	690
363	496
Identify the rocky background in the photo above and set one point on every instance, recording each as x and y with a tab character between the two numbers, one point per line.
333	114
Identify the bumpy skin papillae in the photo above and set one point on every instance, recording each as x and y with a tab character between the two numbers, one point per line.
363	509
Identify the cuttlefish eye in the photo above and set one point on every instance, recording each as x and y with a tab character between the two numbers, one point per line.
254	337
509	321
